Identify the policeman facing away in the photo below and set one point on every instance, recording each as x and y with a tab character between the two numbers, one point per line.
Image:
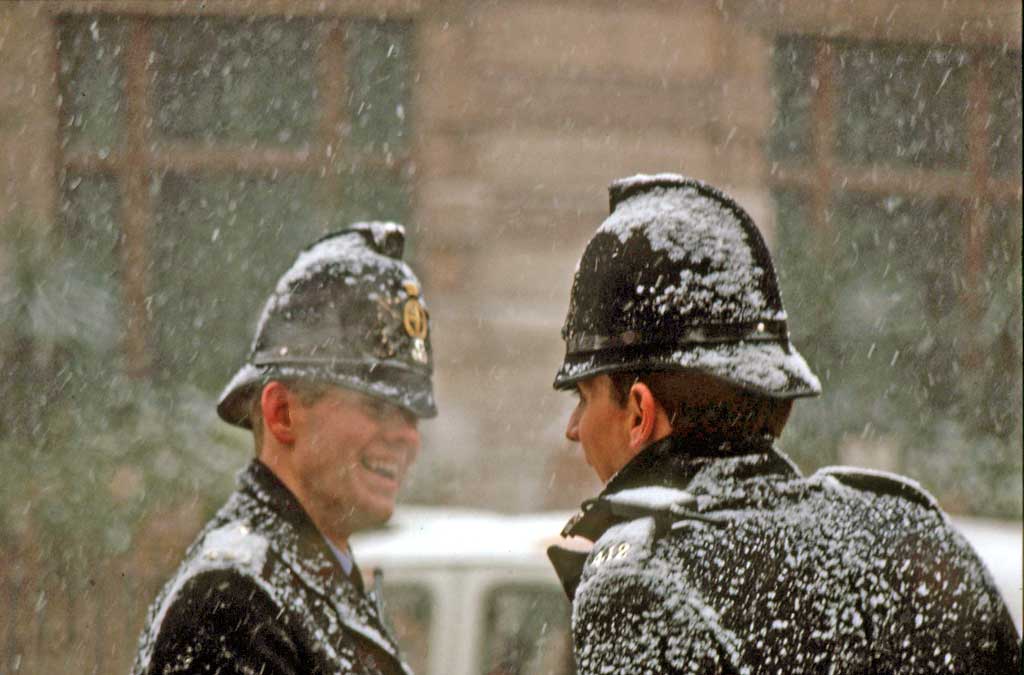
712	553
339	374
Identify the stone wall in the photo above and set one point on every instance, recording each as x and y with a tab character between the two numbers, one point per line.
525	112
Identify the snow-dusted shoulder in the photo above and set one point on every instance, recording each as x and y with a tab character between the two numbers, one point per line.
260	589
881	482
232	547
738	564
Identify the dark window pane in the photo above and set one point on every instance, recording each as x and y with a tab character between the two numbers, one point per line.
999	332
91	82
219	245
234	80
898	310
409	610
370	193
804	258
879	322
912	382
1005	129
527	631
379	57
880	250
791	133
902	105
991	390
84	309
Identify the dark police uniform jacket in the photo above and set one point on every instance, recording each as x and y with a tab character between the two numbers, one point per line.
721	558
261	592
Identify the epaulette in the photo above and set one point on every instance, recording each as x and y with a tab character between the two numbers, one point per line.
568	566
880	482
233	545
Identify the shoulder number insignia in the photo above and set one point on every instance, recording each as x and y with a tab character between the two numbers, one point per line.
613	552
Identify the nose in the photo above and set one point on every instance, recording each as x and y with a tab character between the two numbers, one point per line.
572	429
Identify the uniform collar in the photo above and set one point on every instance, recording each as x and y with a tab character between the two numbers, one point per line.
707	469
293	525
299	545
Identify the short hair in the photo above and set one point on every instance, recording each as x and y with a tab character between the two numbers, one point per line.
308	391
700	404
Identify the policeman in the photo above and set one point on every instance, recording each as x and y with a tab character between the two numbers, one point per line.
339	374
711	552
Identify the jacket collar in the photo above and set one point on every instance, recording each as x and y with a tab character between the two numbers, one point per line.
301	547
293	528
710	471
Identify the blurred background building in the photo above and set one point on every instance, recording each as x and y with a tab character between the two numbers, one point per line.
163	161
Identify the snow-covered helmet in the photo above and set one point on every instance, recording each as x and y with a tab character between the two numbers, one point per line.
348	312
678	277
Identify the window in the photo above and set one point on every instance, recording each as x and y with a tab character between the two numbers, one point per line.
882	152
527	631
408	608
200	153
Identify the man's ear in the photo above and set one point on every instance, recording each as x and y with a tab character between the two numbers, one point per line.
647	419
277	404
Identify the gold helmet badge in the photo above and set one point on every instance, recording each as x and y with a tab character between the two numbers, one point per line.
414	318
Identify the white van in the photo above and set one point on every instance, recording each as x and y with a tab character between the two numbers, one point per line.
471	592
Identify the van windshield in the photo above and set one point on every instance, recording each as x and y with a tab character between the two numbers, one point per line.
527	631
409	608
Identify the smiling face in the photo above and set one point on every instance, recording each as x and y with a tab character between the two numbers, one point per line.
602	426
351	455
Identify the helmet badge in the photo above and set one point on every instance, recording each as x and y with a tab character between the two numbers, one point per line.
414	318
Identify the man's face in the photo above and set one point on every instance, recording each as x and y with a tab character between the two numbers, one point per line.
352	453
601	426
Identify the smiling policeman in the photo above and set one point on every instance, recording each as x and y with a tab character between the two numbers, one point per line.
337	379
712	553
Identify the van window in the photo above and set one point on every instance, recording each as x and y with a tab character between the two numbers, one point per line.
408	608
527	631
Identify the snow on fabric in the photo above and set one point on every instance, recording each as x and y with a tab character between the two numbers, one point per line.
231	546
766	366
763	367
653	497
678	276
262	535
688	226
340	314
347	247
807	576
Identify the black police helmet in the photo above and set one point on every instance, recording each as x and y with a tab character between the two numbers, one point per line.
349	312
679	278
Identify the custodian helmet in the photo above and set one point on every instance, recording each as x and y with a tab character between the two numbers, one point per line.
678	277
349	312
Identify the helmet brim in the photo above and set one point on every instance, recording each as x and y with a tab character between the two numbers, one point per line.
772	369
401	386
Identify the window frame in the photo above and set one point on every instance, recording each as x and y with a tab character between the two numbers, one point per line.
823	173
140	155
